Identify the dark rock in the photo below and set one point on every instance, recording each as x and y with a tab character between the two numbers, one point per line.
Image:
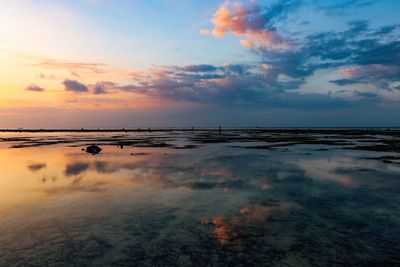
93	149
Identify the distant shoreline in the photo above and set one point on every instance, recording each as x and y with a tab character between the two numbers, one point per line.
200	129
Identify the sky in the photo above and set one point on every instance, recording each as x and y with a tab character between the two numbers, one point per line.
184	63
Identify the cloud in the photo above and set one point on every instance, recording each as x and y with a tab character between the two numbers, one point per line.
281	9
384	30
78	69
228	85
361	55
374	53
205	31
75	74
343	4
358	55
355	55
342	82
103	87
215	83
99	88
248	43
366	94
73	67
272	83
34	88
376	74
258	24
47	77
198	68
245	21
74	86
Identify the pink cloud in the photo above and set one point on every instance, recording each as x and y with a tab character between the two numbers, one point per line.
368	70
248	43
266	67
245	21
349	71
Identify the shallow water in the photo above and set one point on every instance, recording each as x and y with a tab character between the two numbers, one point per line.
218	204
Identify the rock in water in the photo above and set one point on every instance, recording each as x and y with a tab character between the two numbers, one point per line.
93	149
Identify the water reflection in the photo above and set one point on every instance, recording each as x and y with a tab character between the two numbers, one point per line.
76	168
209	205
77	186
36	166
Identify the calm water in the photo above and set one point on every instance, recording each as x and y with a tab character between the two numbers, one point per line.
218	204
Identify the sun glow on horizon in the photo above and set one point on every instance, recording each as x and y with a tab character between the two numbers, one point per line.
162	57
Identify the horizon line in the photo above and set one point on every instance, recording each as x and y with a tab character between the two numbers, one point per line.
221	128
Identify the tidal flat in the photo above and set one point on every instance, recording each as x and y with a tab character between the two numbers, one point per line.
238	197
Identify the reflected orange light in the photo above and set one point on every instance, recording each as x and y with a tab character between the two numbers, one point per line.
237	229
37	174
347	181
266	186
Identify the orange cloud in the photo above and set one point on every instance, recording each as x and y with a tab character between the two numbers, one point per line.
368	70
245	21
348	71
266	67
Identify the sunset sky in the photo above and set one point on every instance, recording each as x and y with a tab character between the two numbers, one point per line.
182	63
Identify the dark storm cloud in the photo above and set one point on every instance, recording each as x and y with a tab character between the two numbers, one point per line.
74	86
34	88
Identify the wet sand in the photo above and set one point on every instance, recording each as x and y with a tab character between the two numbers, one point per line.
239	197
369	139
